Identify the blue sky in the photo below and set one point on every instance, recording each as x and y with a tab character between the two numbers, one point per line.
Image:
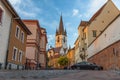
48	13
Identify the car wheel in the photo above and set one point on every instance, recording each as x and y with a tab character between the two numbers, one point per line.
78	68
96	68
73	68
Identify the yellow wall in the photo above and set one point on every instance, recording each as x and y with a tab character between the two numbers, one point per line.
59	44
71	56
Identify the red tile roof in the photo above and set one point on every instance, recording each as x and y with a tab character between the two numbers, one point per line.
84	23
57	50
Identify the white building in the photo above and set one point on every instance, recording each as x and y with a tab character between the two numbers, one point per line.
5	24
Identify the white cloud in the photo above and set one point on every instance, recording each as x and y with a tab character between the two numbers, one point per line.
117	3
96	5
51	39
25	8
93	7
72	38
14	2
75	12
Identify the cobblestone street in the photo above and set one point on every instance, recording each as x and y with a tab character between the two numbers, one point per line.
59	75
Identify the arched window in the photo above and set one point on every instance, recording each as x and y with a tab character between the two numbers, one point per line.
1	12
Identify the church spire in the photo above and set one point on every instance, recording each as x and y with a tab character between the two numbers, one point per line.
65	33
56	32
61	27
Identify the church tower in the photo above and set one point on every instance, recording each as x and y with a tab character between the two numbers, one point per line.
61	36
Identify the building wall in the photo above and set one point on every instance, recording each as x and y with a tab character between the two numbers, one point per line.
108	58
108	14
71	56
102	46
33	41
30	52
61	42
86	33
108	37
43	53
18	43
77	51
50	53
4	33
42	58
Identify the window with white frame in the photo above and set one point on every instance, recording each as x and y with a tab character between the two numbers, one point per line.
94	33
1	13
20	56
14	56
17	31
22	37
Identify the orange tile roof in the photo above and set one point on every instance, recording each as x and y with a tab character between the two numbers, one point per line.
84	23
57	50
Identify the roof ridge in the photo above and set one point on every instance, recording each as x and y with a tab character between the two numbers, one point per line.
97	13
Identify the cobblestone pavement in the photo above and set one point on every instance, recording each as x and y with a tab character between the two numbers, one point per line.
59	75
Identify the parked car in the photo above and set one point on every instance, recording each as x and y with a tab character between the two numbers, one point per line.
86	66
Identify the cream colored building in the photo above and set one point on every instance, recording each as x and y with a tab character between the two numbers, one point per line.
80	45
89	30
77	51
105	50
98	22
108	37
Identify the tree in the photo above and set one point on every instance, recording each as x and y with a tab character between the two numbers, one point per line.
63	61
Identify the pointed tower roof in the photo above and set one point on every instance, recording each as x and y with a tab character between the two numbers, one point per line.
56	32
61	27
65	33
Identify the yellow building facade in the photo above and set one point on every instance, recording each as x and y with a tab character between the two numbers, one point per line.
71	56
